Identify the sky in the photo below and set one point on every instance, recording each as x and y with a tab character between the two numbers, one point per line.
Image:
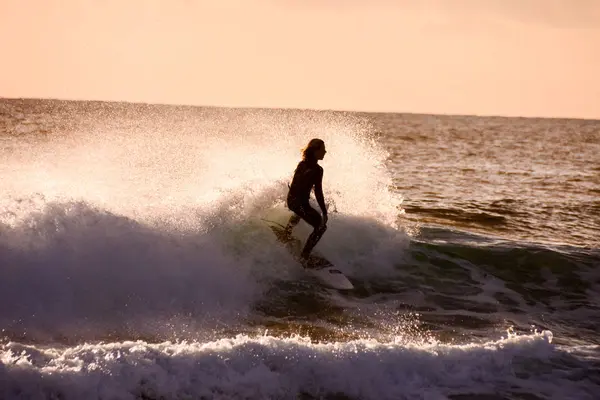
484	57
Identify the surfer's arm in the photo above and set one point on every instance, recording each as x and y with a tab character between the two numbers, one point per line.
319	195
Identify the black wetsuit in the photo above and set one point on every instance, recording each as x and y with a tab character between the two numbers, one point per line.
308	174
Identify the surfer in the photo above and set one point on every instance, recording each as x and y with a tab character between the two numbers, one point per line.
308	174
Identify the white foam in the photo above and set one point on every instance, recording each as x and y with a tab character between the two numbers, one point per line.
285	368
73	271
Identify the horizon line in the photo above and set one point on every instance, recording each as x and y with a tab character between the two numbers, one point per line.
74	100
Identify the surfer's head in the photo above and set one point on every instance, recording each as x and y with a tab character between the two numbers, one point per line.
314	150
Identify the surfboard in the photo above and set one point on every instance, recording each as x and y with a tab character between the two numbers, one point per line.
316	265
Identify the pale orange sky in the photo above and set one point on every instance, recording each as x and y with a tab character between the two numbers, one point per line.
490	57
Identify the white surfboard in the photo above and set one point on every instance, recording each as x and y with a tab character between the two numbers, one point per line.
327	273
316	265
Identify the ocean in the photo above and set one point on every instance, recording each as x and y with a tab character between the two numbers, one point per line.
136	259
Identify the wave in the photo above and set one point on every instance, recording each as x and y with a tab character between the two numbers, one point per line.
130	224
459	217
527	366
490	280
74	272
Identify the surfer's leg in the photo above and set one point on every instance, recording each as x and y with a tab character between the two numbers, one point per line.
294	220
297	210
312	241
314	219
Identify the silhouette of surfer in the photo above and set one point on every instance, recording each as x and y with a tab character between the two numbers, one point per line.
308	174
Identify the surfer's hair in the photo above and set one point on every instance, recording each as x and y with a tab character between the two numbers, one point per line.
309	151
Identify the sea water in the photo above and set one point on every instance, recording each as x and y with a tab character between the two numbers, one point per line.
136	260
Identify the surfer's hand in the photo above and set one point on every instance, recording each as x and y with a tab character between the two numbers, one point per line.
324	222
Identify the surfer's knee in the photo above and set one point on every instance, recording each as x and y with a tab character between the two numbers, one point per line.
321	229
314	220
